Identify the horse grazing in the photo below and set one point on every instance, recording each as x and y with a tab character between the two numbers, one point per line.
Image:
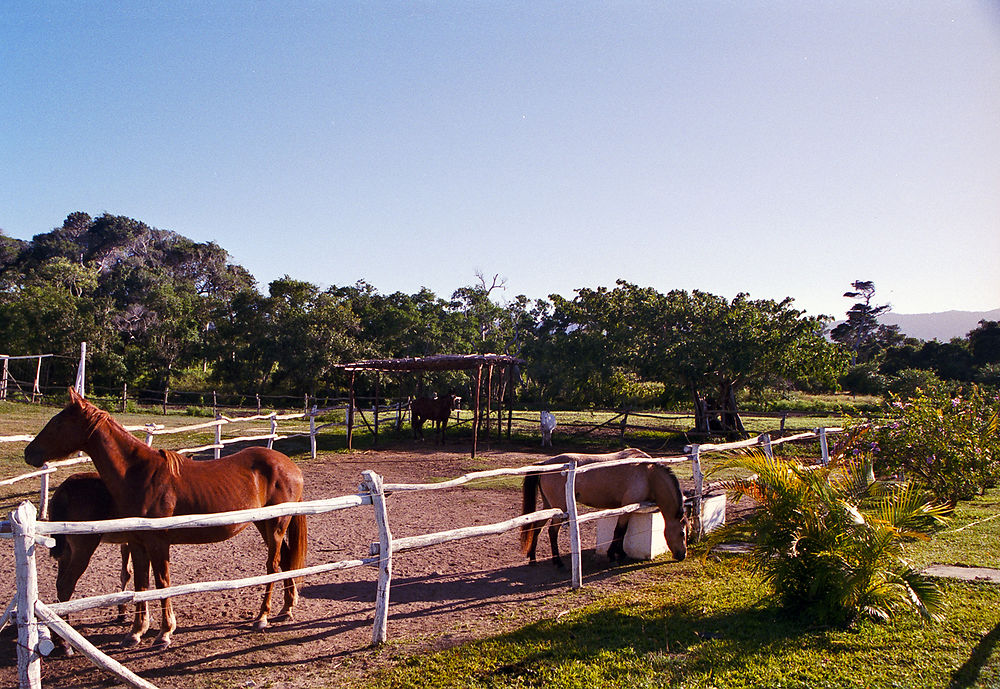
83	498
433	409
606	488
144	482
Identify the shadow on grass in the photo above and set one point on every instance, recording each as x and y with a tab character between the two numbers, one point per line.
968	675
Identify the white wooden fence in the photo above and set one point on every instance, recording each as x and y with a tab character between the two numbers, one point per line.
35	618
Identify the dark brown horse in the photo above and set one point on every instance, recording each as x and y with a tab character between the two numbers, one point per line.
83	498
433	409
144	482
606	488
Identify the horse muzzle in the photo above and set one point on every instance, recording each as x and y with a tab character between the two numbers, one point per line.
33	455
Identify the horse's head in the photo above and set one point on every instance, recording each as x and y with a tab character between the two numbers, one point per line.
671	501
64	434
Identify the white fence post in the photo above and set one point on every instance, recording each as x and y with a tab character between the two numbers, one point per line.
217	450
81	371
29	665
274	431
43	497
373	482
312	432
3	376
576	566
699	489
824	447
765	441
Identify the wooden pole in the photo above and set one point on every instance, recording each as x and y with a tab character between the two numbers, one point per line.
29	664
37	391
3	377
43	497
77	641
373	482
350	415
576	566
274	430
824	447
312	433
124	397
475	413
217	451
489	398
699	486
765	441
378	380
510	399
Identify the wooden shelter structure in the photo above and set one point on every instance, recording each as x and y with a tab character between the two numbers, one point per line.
442	362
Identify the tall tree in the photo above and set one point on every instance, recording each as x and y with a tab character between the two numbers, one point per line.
861	333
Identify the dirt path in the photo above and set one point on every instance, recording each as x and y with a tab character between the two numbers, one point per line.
440	596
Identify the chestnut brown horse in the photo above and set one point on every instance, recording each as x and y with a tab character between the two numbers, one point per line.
433	409
606	488
83	498
144	482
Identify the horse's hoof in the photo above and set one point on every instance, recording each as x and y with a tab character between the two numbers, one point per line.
130	641
161	644
261	624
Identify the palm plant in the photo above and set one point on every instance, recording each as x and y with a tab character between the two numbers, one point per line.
829	539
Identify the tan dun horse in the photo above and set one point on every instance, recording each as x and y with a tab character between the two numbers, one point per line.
606	488
433	409
144	482
83	498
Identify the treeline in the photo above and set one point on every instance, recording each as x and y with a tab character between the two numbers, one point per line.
161	311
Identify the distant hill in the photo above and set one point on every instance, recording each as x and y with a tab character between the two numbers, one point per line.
939	326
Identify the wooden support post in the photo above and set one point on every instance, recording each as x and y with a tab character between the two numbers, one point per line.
373	483
576	565
29	665
765	440
36	391
81	371
623	427
274	430
350	415
124	397
510	399
3	376
824	447
699	491
378	391
77	641
475	413
489	398
312	433
43	494
218	438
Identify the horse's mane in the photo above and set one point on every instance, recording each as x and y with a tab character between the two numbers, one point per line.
676	484
97	417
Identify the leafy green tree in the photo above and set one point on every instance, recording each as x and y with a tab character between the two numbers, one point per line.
829	539
984	343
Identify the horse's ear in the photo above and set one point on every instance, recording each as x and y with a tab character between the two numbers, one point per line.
74	396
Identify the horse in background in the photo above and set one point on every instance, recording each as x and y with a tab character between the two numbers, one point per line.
433	409
144	482
83	498
606	488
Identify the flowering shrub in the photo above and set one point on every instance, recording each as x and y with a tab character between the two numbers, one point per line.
949	444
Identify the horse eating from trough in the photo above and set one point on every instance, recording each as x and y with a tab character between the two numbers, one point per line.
606	488
144	482
83	497
433	409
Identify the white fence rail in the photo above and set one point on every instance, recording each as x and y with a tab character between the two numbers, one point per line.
26	531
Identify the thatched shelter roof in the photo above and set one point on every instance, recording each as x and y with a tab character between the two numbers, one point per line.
441	362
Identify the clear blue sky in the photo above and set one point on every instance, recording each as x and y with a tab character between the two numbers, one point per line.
778	148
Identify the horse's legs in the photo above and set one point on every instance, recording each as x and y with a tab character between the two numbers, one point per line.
140	622
554	540
126	575
273	532
443	424
159	557
617	548
418	427
75	557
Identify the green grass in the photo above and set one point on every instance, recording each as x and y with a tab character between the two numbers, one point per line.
702	625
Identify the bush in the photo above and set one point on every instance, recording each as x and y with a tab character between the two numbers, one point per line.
829	539
910	382
949	444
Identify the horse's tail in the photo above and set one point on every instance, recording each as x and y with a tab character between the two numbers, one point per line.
528	495
293	550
